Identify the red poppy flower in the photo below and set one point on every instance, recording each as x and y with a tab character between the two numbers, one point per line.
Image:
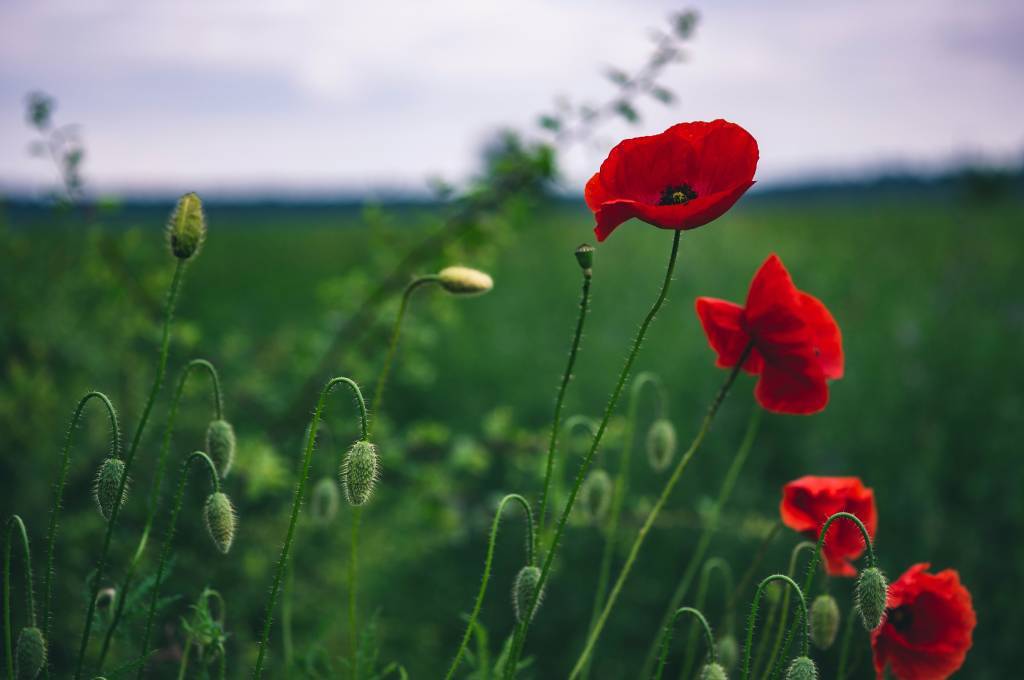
797	346
928	626
809	501
687	176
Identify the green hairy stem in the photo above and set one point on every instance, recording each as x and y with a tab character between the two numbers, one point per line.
666	638
15	522
710	567
752	618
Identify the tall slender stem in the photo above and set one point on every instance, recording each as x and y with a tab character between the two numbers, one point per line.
471	623
300	492
165	551
101	565
844	652
520	637
752	618
15	522
286	620
560	399
704	542
154	496
656	510
58	493
666	638
353	586
784	611
710	567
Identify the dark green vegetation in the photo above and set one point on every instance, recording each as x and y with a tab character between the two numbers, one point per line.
924	281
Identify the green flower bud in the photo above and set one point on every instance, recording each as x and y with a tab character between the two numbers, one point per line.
661	444
325	501
824	616
186	229
359	472
108	481
105	599
596	495
585	256
871	593
220	445
728	652
30	654
802	668
221	521
522	592
713	671
465	281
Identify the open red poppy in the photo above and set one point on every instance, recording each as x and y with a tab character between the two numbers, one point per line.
683	178
928	626
797	346
809	501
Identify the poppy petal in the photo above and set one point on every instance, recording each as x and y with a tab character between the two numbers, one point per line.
723	326
729	156
793	384
828	340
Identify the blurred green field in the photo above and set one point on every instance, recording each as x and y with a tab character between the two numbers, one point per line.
924	281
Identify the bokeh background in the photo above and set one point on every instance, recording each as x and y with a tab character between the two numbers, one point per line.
341	150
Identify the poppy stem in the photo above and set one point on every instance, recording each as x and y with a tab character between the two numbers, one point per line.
15	522
713	564
666	638
519	639
752	619
794	555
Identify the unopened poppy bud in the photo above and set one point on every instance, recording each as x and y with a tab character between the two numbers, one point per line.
585	256
30	654
220	445
523	592
728	652
596	495
359	472
221	521
105	599
325	501
661	444
464	281
186	229
713	671
108	481
871	593
802	668
824	621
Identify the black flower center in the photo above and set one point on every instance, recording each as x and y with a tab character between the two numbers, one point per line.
901	618
677	194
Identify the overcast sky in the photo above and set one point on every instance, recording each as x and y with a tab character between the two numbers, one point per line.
174	95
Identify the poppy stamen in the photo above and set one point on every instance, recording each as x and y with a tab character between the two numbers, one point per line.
677	194
901	618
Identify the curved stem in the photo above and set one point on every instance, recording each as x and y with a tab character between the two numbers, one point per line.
619	494
396	331
58	492
656	510
752	618
471	623
154	496
712	565
101	565
30	604
560	399
165	551
520	638
300	492
666	638
794	555
704	542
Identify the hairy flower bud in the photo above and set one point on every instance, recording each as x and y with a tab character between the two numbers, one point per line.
186	229
325	501
596	495
728	652
464	281
713	671
661	444
585	256
105	599
220	445
523	592
871	593
221	521
30	654
824	617
802	668
359	472
108	481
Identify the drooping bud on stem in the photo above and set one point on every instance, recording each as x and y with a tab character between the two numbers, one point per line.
824	621
325	502
595	497
523	592
713	671
728	652
30	654
359	472
802	668
585	256
108	483
464	280
661	444
186	229
220	445
221	521
871	594
105	600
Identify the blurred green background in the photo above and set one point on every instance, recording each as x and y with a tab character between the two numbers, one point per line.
923	278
